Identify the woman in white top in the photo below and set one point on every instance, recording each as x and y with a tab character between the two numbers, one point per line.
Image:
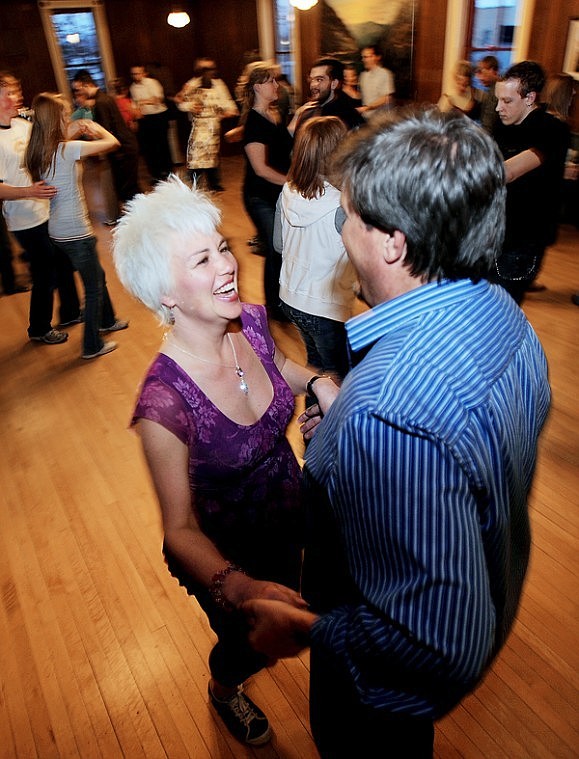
317	278
55	152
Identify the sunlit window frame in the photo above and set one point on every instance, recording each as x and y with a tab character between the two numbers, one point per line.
47	8
457	40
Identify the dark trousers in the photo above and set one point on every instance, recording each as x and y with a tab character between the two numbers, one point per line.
516	268
231	660
153	136
6	268
98	309
325	341
262	213
125	171
49	269
344	728
212	178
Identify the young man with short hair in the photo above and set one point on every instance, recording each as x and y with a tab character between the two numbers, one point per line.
376	82
534	145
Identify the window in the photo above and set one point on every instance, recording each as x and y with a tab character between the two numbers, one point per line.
284	35
492	30
77	36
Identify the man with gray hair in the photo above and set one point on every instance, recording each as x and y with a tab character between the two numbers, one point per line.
418	476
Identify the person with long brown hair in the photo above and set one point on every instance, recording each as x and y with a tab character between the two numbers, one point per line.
54	154
317	279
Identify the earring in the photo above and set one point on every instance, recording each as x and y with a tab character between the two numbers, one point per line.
170	316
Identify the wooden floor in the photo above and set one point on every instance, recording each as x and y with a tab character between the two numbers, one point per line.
103	655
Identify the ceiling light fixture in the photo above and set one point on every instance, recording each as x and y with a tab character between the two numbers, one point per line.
303	5
178	19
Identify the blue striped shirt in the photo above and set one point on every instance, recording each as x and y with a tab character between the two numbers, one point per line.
425	460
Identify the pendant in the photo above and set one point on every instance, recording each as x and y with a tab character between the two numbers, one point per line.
243	386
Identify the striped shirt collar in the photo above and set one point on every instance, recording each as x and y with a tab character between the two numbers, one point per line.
365	329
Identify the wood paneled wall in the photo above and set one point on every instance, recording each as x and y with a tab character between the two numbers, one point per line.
225	30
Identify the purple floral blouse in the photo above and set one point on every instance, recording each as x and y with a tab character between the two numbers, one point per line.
245	480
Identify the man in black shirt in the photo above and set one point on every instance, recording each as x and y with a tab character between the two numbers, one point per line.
327	98
534	145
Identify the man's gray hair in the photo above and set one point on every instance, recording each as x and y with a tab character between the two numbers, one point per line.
439	179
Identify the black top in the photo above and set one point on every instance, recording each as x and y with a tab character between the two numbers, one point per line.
341	105
278	143
534	199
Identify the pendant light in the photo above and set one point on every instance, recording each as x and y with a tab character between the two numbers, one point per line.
303	5
178	19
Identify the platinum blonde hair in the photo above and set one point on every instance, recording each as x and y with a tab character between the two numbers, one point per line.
144	239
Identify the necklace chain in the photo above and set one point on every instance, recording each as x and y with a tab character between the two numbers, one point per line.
243	386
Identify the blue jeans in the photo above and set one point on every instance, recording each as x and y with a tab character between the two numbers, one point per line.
325	341
49	269
98	309
262	213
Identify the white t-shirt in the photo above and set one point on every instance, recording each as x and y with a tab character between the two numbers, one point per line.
28	212
375	84
147	89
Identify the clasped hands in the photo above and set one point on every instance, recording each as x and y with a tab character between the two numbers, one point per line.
278	617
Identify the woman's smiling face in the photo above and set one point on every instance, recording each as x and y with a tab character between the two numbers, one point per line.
205	276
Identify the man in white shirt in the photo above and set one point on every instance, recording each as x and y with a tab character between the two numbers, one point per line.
376	82
153	132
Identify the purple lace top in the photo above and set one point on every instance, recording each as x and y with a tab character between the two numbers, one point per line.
245	480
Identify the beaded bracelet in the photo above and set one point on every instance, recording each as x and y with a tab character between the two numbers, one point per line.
216	586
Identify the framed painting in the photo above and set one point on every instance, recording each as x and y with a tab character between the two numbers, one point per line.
350	25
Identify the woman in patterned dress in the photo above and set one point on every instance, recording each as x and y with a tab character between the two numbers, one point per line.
212	415
208	101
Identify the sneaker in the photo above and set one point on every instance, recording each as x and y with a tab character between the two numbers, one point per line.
107	348
52	337
242	717
17	289
116	327
71	322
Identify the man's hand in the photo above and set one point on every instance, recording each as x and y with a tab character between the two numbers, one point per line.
278	630
42	190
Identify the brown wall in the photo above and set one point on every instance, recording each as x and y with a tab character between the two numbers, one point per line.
139	32
225	30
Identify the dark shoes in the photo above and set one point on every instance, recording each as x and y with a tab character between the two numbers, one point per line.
17	289
52	337
536	287
243	718
71	322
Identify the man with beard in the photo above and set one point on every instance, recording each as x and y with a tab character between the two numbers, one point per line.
327	98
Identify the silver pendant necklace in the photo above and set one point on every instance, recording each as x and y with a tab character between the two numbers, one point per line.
243	386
